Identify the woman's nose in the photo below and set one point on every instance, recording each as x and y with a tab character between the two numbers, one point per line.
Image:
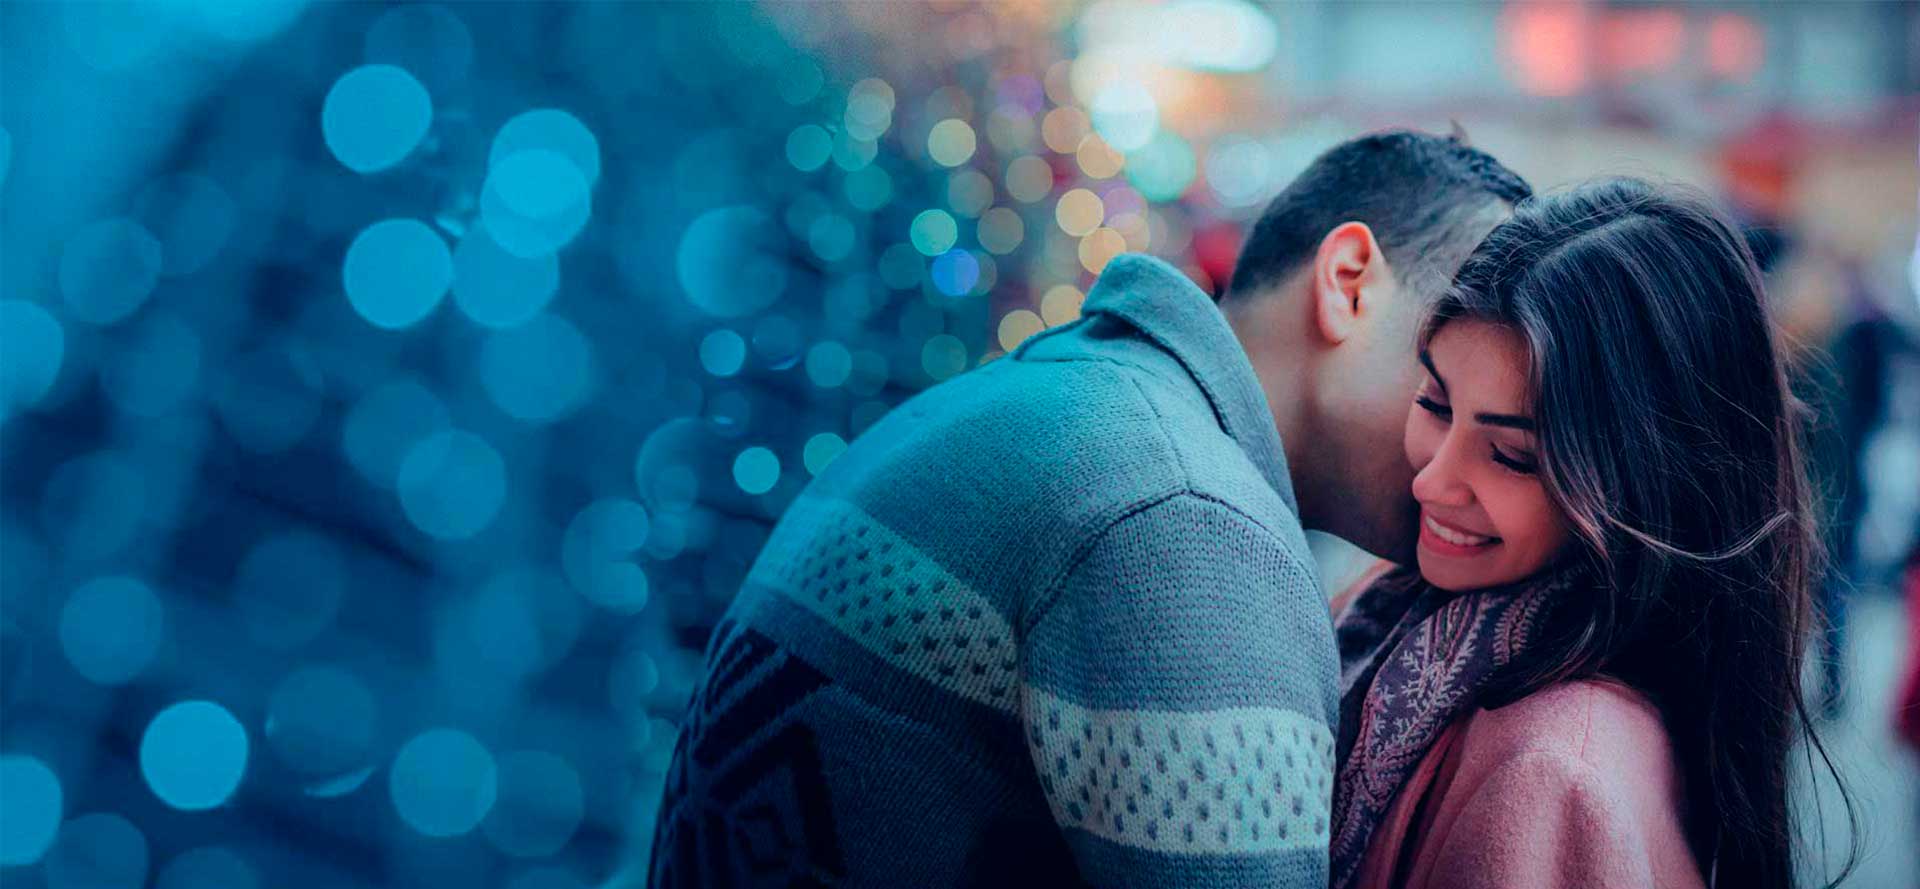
1439	482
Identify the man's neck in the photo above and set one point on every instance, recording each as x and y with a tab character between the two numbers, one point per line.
1271	339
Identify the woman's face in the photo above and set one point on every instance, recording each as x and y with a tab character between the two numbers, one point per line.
1485	518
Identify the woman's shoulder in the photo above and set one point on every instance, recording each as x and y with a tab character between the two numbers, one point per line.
1597	722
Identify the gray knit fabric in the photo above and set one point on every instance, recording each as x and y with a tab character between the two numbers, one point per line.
1052	621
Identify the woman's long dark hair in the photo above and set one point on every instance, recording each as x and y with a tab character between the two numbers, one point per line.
1669	437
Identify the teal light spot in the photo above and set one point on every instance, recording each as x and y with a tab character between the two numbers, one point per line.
211	867
452	485
193	755
111	628
387	422
248	21
808	147
30	809
35	348
539	807
822	450
549	129
756	470
374	116
155	370
943	356
288	588
831	237
955	272
496	288
320	722
534	202
396	271
192	217
600	554
538	372
108	269
97	851
731	262
829	364
1162	169
443	782
723	352
934	232
868	188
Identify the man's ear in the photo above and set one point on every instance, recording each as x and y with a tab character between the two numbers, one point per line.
1348	271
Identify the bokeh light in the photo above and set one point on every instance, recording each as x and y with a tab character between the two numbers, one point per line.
396	271
535	201
427	39
108	269
729	262
951	142
820	452
539	371
943	356
30	809
496	288
452	484
829	364
1079	212
600	554
539	806
554	130
193	755
1016	326
934	232
385	424
374	116
756	470
111	628
35	348
443	782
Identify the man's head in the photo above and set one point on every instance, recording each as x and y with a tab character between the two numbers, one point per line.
1327	298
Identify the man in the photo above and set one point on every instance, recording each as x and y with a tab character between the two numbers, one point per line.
1055	621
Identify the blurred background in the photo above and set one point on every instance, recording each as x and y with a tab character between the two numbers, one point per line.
393	395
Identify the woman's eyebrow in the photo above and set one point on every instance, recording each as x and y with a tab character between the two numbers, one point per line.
1427	360
1510	421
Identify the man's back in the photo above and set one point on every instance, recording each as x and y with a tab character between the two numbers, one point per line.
1052	620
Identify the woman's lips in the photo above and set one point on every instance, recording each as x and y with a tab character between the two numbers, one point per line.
1447	540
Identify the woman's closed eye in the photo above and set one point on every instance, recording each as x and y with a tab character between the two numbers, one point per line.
1433	407
1520	463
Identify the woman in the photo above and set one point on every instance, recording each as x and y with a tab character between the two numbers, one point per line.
1592	679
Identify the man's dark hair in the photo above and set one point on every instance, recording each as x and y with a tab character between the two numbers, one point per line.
1428	199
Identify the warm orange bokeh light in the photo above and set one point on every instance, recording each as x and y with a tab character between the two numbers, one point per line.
1547	46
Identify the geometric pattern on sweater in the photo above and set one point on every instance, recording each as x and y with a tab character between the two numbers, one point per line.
893	600
1229	781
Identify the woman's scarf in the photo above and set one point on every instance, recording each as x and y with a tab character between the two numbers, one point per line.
1414	658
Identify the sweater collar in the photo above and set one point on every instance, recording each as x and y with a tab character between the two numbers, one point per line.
1159	301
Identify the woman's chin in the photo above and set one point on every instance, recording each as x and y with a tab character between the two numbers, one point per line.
1442	578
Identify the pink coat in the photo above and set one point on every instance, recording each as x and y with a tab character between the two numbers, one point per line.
1574	785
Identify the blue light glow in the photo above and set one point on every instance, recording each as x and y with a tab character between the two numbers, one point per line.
829	364
386	423
808	147
540	371
600	554
396	271
452	485
722	353
731	263
36	347
496	288
535	201
108	269
30	810
934	232
955	272
443	782
549	129
111	628
756	470
193	755
374	116
822	450
540	805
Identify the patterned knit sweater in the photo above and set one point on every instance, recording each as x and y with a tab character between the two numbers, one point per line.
1053	622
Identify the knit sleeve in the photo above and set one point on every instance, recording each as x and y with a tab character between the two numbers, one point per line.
1546	819
1177	694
